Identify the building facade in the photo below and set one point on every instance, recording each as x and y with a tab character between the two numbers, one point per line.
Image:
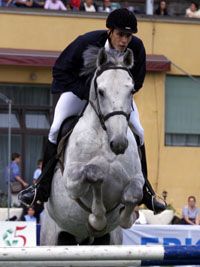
168	103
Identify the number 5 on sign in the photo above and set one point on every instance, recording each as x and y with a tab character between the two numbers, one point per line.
17	234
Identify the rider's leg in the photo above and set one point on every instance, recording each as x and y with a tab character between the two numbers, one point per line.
149	196
68	105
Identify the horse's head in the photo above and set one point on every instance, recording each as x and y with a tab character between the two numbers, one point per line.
111	97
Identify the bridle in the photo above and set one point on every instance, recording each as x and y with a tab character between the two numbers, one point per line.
97	109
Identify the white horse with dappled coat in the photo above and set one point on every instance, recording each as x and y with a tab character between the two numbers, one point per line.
102	180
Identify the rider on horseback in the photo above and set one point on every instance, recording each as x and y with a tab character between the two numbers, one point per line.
74	90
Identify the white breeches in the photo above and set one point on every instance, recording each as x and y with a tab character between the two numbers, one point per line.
69	105
135	122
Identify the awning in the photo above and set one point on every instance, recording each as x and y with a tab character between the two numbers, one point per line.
36	58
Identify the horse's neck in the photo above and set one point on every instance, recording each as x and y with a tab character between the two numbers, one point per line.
91	118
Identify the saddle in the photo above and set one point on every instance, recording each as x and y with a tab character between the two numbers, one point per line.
63	136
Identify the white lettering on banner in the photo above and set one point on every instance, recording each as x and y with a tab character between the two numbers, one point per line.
162	234
17	234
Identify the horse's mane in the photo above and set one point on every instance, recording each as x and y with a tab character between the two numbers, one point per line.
90	56
89	60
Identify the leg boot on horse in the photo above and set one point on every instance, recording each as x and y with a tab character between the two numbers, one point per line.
150	200
41	190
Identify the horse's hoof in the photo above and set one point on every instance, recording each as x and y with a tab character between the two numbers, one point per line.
98	224
127	222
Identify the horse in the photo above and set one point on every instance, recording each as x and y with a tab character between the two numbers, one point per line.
102	180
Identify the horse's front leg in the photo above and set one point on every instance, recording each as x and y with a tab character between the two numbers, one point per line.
95	177
132	195
79	181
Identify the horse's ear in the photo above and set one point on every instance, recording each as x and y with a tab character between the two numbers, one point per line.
102	57
128	58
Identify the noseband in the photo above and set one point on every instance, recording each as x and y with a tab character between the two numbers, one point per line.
104	118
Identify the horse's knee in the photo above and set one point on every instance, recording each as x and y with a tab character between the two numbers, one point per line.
133	193
93	174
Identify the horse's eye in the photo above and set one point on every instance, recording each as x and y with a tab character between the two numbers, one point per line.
101	92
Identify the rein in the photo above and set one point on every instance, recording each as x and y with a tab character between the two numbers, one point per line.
104	118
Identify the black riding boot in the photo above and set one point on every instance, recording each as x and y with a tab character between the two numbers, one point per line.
149	196
42	189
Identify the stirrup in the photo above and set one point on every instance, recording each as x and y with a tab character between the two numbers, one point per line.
34	188
152	202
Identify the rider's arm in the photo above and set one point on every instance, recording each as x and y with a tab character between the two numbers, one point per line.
67	68
139	69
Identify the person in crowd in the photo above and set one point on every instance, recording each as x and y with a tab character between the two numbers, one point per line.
7	3
29	215
23	3
193	10
74	5
13	174
54	5
38	171
162	9
74	90
106	7
191	213
15	170
29	3
88	6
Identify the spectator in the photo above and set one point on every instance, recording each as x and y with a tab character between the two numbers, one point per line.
162	9
16	182
30	215
75	5
6	3
88	6
193	11
23	3
28	3
106	6
190	213
54	5
38	171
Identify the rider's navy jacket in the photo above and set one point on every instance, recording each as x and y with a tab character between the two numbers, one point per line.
70	62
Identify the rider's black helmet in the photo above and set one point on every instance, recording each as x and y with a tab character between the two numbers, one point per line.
122	19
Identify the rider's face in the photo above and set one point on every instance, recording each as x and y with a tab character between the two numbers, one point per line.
119	39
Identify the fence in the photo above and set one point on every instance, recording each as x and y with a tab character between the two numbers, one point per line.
99	256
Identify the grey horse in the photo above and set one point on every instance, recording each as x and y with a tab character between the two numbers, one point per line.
102	180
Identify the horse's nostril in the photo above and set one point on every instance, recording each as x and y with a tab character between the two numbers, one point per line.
126	143
111	144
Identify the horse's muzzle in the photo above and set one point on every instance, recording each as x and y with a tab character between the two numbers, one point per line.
119	145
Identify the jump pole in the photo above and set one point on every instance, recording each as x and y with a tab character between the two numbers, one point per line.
97	256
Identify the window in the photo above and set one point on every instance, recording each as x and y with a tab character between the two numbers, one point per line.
36	120
30	122
182	111
4	120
